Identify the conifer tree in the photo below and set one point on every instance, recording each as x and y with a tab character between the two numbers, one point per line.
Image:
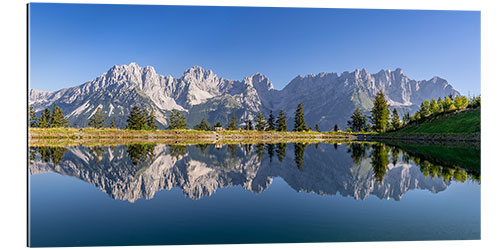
425	108
435	108
135	119
380	112
441	104
395	123
151	124
248	124
358	121
202	126
33	120
406	118
461	102
113	124
261	123
233	124
181	120
57	119
317	128
448	104
270	122
97	119
44	119
300	123
336	128
281	121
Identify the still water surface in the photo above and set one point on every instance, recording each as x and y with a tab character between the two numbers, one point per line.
146	194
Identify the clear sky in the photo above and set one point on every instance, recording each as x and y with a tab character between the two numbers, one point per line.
72	43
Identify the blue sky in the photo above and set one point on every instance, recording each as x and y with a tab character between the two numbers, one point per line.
72	43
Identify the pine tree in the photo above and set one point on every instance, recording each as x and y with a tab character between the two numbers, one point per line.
435	108
395	123
261	123
248	124
144	119
151	124
202	126
425	108
113	124
448	104
281	121
33	120
461	102
44	121
97	119
300	123
317	128
182	120
380	112
336	128
270	122
57	119
406	118
233	124
358	121
135	119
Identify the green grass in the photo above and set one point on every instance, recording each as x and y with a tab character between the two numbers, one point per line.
459	123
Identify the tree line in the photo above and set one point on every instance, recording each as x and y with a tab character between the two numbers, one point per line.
381	119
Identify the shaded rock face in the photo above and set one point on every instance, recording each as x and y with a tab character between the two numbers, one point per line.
328	98
199	171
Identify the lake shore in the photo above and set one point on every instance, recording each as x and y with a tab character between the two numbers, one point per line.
89	136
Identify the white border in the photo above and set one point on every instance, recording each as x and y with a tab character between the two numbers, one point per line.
13	103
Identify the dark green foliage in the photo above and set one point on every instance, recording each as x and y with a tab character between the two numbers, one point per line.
113	124
299	154
380	113
33	122
177	151
406	118
151	124
270	151
261	123
358	121
97	119
281	121
336	128
202	126
260	149
232	148
317	128
177	121
270	122
44	121
51	154
300	123
233	124
379	161
281	151
57	119
248	124
136	119
358	152
141	153
395	123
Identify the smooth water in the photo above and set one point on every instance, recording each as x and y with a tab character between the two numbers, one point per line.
146	194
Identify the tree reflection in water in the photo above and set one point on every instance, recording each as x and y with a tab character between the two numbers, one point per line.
141	153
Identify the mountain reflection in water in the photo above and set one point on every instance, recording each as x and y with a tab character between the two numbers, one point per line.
131	172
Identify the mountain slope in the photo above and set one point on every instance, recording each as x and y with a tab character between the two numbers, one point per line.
328	98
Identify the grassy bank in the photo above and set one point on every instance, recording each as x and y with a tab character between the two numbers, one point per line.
108	136
451	127
466	122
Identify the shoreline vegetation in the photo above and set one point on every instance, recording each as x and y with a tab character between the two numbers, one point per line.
73	136
451	120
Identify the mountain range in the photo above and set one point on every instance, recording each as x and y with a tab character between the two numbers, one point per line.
201	172
328	98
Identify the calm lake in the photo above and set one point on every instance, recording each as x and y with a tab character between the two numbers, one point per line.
150	194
